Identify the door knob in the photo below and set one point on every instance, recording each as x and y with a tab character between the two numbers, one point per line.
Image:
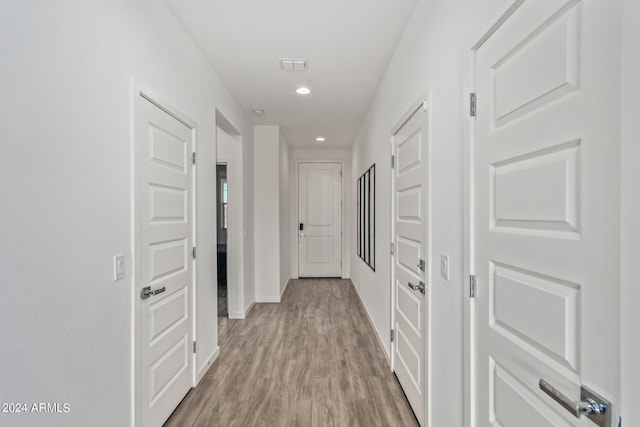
591	404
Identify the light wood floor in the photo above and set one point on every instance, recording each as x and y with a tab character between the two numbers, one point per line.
312	360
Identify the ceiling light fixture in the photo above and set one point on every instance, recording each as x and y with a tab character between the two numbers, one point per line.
303	90
257	112
320	139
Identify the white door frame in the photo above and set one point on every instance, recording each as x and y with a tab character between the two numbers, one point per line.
421	102
139	90
296	198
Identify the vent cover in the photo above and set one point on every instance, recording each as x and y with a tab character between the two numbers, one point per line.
293	64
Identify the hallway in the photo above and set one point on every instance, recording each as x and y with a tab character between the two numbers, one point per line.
312	360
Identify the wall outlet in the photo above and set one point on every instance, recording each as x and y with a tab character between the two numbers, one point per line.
444	266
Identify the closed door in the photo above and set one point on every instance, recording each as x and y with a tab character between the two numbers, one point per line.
320	220
547	209
164	267
411	291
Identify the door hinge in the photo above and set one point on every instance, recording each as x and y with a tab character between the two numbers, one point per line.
472	286
392	335
393	162
194	252
194	347
393	249
193	157
472	104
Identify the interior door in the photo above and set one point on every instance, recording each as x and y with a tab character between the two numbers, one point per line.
547	212
164	273
411	292
320	220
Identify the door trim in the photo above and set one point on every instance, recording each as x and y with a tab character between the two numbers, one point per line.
294	224
421	102
139	90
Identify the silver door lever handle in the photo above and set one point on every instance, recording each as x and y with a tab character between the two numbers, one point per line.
147	292
591	404
420	287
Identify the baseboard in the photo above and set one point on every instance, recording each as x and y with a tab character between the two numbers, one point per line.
212	358
373	326
241	314
284	289
268	299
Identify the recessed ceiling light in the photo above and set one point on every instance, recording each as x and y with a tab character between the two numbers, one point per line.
320	139
303	90
258	112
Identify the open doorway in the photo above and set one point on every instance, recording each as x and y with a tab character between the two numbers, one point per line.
230	224
222	223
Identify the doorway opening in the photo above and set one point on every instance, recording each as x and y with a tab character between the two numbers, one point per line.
222	224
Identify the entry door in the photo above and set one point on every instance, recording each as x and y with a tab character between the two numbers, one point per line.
547	211
320	220
411	290
164	244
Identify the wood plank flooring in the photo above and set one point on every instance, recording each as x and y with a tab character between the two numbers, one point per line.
312	360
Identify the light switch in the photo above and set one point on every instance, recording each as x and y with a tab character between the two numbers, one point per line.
444	266
118	267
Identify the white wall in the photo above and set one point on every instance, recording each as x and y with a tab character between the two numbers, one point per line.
65	186
230	152
630	233
428	59
322	155
285	218
267	217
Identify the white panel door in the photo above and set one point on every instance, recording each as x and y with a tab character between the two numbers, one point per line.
411	292
164	245
546	209
320	220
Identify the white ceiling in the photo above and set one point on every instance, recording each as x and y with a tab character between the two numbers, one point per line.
348	44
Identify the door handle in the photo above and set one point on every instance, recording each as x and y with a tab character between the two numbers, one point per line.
591	404
147	292
420	287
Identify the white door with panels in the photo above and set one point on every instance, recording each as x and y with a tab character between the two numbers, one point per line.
410	273
164	271
319	220
547	217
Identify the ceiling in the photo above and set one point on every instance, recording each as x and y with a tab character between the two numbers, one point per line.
347	43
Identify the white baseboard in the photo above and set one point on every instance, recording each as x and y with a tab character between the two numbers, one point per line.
269	298
241	314
380	340
203	370
284	289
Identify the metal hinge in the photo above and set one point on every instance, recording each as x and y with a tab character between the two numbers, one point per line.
194	252
194	347
393	249
472	104
472	286
393	162
392	335
193	157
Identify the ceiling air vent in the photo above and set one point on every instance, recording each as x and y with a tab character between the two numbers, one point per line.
293	64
